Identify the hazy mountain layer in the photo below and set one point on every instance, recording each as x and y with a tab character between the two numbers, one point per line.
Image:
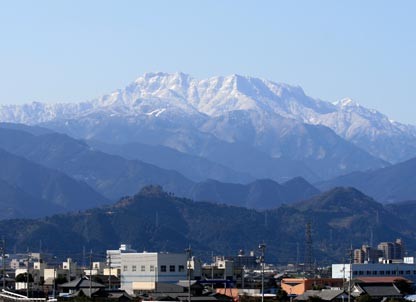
111	175
390	184
32	190
260	194
193	167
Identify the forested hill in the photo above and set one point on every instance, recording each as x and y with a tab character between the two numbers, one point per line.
154	220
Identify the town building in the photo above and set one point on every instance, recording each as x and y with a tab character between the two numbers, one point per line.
332	295
392	250
114	256
385	251
242	260
298	286
367	254
405	268
143	271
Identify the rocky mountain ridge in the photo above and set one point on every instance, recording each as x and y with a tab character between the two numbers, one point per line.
232	121
254	104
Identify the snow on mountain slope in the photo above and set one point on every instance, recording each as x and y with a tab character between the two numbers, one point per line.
233	108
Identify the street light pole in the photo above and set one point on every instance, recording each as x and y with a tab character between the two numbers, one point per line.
189	255
262	247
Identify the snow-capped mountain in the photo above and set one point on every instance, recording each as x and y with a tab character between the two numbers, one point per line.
274	121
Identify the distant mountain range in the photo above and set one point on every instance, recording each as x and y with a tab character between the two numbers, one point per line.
157	221
254	127
49	157
260	194
31	190
111	175
193	167
390	184
47	172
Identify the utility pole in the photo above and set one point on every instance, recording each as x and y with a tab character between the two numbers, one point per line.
297	256
242	277
212	270
189	255
262	247
109	277
308	247
27	275
54	281
84	265
90	273
349	282
3	254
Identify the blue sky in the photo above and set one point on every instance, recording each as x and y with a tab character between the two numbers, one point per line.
56	51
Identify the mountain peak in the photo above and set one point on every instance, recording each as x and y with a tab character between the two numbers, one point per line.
154	191
179	101
347	102
341	198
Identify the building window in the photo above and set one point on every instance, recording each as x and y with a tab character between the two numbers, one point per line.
354	273
133	268
387	272
407	272
125	268
143	268
374	273
368	273
400	272
181	268
381	272
171	268
360	273
163	268
152	268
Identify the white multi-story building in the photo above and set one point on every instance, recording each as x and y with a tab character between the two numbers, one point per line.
406	269
51	274
114	256
142	271
97	269
71	267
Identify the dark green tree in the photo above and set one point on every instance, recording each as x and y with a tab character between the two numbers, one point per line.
404	286
281	295
23	278
315	299
363	298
